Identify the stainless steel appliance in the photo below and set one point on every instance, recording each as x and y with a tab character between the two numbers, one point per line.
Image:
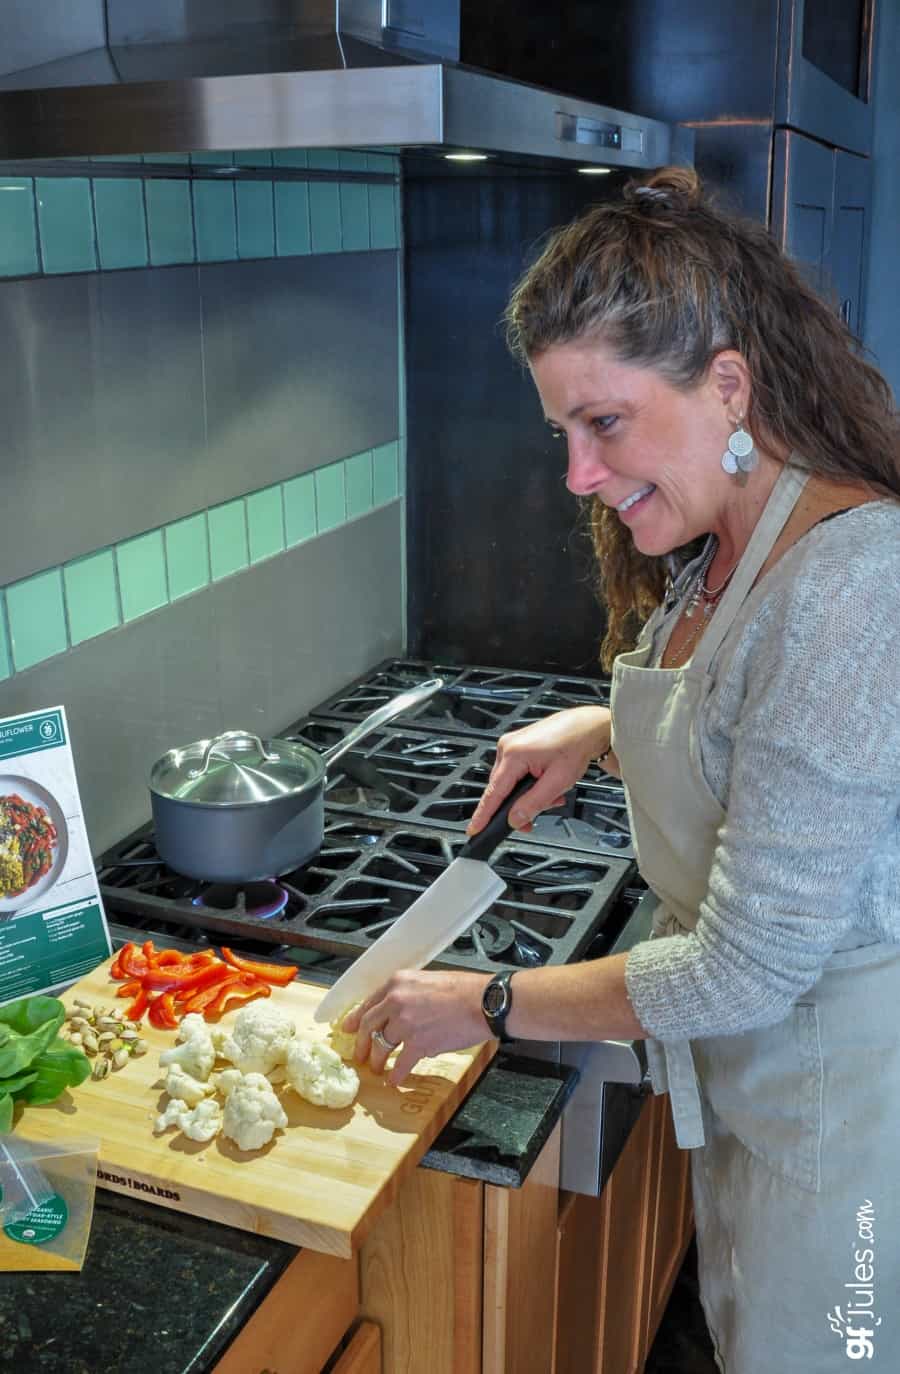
118	76
394	816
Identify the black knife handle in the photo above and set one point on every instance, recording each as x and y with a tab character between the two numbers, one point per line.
482	845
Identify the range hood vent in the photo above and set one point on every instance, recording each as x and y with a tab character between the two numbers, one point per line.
106	77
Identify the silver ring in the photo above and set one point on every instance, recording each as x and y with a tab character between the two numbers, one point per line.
382	1042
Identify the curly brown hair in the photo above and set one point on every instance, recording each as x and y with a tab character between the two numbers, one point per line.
667	281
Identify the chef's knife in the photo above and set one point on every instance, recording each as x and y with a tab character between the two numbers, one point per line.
445	909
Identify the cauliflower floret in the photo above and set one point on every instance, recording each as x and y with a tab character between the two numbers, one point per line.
204	1122
320	1075
259	1039
200	1123
341	1041
179	1083
172	1115
225	1080
252	1111
195	1052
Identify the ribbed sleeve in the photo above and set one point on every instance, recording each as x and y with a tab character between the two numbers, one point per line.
810	845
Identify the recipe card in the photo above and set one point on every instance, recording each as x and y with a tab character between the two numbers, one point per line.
52	923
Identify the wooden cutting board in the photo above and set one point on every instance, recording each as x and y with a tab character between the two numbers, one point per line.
320	1183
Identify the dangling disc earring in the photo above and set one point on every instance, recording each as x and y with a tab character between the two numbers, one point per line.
740	455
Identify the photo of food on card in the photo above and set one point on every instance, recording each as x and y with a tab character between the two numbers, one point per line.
33	842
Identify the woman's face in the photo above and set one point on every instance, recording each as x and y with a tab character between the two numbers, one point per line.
643	447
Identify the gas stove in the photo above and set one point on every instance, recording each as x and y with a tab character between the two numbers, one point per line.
478	701
437	779
556	905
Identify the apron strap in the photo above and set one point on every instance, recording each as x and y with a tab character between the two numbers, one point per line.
782	500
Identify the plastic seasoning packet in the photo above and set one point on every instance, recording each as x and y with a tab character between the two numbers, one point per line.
62	1179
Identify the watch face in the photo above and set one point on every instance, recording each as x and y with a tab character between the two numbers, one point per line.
495	998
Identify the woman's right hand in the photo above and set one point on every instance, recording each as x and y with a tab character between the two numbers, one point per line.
556	751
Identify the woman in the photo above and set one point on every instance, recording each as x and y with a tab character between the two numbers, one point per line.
706	394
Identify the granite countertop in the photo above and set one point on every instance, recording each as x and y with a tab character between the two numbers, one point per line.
168	1291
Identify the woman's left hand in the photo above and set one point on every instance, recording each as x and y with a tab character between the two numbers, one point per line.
422	1013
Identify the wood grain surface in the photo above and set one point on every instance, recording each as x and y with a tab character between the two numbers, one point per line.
320	1183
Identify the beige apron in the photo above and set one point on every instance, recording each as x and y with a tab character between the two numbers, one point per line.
796	1140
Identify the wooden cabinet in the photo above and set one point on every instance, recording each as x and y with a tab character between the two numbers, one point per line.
618	1255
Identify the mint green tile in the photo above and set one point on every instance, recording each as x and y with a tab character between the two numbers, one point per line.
290	157
300	509
5	659
228	538
255	219
18	236
353	162
142	574
253	157
92	602
354	216
66	224
325	216
382	222
169	221
166	157
187	555
358	477
223	159
265	523
214	221
381	162
385	473
291	218
323	159
331	499
37	618
121	228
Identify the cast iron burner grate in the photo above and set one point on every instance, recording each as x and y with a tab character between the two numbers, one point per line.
437	780
475	700
366	874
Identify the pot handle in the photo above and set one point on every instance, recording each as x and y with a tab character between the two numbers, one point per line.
228	737
391	709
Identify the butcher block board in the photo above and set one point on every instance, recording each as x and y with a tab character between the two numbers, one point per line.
320	1183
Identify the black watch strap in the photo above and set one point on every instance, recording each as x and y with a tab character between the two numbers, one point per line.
496	1003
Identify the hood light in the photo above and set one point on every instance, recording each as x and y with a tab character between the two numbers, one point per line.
595	171
466	157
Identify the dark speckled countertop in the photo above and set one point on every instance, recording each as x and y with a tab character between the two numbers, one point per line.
168	1292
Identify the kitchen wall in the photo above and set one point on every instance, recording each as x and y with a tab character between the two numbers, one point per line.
201	523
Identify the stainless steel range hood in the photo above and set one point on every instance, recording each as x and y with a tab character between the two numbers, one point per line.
90	77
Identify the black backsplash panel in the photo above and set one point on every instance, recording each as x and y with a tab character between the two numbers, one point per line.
499	559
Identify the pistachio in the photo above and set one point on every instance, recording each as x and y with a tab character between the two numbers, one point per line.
128	1034
80	1003
139	1047
100	1068
89	1042
78	1023
75	1038
112	1046
120	1058
104	1038
107	1024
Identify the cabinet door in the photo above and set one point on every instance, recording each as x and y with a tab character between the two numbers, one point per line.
802	204
852	192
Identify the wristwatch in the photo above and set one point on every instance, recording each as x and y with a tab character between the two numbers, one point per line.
496	1003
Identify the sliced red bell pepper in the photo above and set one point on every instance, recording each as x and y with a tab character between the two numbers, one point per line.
140	1003
206	976
173	979
115	968
166	958
200	999
130	988
279	974
162	1012
132	963
236	994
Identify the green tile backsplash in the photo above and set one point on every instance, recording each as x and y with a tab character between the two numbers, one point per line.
60	224
82	224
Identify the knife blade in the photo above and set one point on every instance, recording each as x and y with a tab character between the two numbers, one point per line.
438	917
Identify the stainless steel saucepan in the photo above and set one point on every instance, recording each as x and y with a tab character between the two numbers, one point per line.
238	808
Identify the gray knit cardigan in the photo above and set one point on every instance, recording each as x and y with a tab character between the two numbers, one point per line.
800	742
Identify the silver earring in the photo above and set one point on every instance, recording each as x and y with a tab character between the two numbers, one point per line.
740	455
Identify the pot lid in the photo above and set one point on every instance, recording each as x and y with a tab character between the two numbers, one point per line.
236	769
